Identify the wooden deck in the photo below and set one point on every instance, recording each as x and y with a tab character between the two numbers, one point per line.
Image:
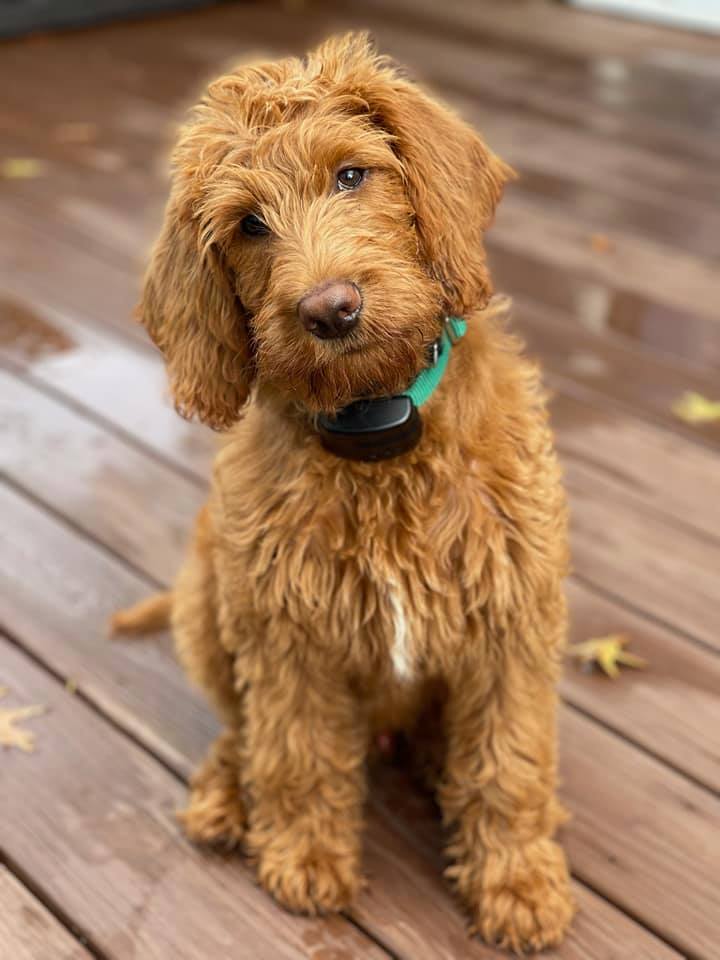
610	244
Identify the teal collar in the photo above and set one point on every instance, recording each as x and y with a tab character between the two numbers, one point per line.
428	380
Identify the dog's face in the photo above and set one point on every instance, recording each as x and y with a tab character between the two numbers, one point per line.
325	215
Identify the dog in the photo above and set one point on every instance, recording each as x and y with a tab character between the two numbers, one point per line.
366	561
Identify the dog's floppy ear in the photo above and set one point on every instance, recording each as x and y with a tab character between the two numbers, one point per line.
193	315
454	183
453	180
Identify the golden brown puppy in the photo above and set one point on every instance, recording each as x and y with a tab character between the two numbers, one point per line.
326	216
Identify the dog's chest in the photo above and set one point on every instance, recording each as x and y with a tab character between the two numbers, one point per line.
368	580
375	570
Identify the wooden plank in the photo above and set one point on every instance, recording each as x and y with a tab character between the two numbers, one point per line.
100	221
90	816
588	96
257	26
139	686
44	272
683	281
57	592
644	324
28	931
649	466
654	565
646	837
604	368
541	25
107	376
671	708
95	480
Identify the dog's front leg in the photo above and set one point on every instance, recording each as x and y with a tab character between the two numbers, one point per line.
304	773
498	793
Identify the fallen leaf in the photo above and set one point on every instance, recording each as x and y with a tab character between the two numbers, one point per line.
695	408
601	243
71	685
21	168
12	736
607	653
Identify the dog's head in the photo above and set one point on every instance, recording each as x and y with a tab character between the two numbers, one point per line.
324	215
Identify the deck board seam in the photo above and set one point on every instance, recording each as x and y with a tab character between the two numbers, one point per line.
36	890
638	745
577	389
642	612
628	912
81	532
27	377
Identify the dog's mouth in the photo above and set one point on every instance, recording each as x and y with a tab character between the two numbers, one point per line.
347	346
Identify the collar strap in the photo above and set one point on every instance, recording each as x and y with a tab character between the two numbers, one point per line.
427	381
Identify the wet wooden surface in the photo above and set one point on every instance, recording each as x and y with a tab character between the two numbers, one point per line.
610	246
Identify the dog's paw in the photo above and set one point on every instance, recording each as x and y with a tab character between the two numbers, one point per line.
519	899
316	881
215	813
214	817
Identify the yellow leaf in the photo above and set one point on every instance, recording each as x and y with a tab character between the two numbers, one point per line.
21	168
13	736
608	653
695	408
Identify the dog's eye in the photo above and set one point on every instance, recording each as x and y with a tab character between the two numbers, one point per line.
350	179
252	226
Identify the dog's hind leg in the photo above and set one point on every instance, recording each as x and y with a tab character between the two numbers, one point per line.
196	627
215	812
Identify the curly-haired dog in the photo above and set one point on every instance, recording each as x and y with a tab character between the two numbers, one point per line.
326	219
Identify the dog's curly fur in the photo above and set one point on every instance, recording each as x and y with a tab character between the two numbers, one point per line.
324	599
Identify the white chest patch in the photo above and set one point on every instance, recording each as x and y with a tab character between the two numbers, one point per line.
400	649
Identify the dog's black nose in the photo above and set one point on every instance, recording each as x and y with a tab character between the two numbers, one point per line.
331	310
